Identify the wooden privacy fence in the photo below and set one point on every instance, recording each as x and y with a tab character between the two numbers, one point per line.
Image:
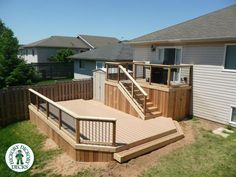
83	129
14	101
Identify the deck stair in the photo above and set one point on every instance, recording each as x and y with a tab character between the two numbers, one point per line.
149	146
135	96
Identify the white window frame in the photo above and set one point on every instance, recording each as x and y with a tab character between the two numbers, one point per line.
224	60
102	62
231	113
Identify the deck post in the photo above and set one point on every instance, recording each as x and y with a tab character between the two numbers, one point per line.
168	78
114	134
191	76
143	72
47	109
132	89
118	74
107	71
77	131
144	105
37	102
134	71
150	75
59	121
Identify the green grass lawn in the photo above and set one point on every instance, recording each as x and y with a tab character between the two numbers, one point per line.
209	156
25	132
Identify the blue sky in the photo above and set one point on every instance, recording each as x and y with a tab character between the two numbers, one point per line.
32	20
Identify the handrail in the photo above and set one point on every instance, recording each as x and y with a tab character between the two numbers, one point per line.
131	78
76	117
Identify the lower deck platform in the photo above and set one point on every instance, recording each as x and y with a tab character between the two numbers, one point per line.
133	136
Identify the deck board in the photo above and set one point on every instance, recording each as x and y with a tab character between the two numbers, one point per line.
130	129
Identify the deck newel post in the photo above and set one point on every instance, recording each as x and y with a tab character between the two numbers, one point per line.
59	121
132	91
37	102
118	72
77	129
168	79
150	75
191	76
107	72
144	104
134	71
114	134
47	109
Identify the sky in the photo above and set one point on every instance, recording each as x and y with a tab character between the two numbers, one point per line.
33	20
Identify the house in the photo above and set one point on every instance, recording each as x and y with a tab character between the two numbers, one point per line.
86	62
40	51
209	43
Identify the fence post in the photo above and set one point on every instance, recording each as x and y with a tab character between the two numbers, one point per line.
168	78
107	68
134	71
114	134
77	130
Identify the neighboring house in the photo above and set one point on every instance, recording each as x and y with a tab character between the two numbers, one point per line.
85	63
208	42
40	51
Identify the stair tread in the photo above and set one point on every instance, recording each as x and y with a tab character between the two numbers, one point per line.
149	146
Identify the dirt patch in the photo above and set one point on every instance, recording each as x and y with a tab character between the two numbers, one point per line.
49	144
65	166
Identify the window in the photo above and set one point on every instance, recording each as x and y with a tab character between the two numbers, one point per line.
169	55
230	57
26	51
33	52
99	64
81	64
233	115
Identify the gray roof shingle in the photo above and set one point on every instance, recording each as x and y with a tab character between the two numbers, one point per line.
216	25
99	41
114	52
59	41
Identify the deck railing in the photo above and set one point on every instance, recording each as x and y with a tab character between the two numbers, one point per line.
169	75
83	129
130	86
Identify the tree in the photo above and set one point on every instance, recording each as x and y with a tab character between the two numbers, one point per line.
61	55
13	70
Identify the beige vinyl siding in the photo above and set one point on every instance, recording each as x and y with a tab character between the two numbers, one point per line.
214	91
209	54
144	53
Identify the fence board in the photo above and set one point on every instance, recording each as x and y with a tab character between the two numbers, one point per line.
14	101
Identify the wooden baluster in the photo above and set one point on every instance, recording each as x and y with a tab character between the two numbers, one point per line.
114	134
47	109
168	79
59	121
77	130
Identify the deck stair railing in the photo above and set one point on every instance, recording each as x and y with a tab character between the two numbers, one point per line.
132	88
82	129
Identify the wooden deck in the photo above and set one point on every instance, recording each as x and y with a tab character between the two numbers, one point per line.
130	130
91	131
